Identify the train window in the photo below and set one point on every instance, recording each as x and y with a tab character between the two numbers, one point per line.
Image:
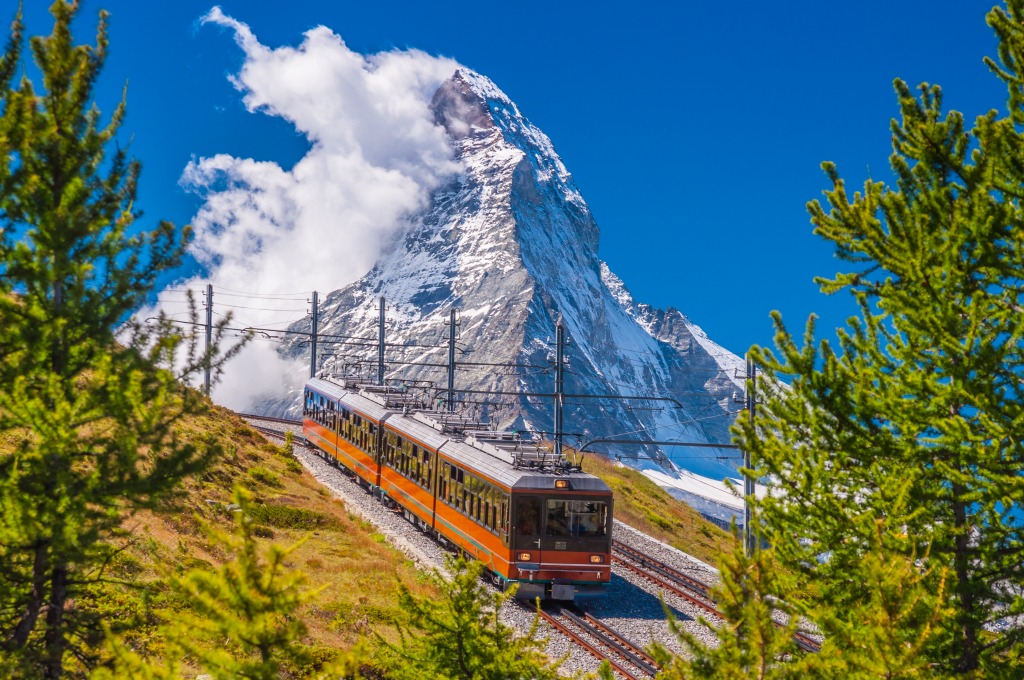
527	516
576	518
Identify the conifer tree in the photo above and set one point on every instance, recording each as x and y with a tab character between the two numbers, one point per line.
750	644
87	417
905	442
461	636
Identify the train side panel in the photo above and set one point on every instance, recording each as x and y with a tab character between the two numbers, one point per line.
345	453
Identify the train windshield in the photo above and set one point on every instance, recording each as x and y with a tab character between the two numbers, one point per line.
576	518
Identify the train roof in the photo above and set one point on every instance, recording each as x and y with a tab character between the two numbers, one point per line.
506	457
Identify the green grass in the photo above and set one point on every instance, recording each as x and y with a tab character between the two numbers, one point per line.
263	475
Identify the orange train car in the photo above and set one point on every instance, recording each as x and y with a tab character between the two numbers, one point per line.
532	519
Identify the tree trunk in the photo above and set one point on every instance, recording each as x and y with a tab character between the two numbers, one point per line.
19	636
55	639
961	563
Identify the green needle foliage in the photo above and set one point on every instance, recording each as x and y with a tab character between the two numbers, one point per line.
461	637
750	644
87	417
895	457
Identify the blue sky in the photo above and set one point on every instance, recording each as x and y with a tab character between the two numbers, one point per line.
694	130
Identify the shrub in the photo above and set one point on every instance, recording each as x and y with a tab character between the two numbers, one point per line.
266	476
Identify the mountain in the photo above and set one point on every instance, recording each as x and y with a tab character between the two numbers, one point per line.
511	245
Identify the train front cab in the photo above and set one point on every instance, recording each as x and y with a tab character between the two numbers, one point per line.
561	545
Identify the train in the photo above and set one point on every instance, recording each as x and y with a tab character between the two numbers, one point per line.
534	519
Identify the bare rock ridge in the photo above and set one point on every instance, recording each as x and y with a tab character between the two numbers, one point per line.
510	243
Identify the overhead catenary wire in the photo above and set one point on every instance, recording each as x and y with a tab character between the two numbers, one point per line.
251	294
516	370
263	309
282	298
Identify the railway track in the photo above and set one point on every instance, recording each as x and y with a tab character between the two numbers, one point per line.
631	660
602	642
268	431
685	586
286	421
690	589
250	417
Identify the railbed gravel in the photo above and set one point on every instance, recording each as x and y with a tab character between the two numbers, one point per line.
632	606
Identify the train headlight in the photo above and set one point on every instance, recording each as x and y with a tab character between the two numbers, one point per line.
561	483
523	556
596	559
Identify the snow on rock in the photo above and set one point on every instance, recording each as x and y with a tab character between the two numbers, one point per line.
512	246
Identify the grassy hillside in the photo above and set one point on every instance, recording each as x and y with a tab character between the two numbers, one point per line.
356	569
644	505
343	555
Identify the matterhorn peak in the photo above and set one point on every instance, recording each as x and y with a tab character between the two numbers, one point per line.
511	246
460	107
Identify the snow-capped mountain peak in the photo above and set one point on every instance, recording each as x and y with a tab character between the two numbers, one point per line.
511	245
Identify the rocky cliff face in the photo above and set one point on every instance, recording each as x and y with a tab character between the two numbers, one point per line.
511	245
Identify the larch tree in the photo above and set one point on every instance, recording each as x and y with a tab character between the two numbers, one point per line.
87	415
749	644
461	637
895	458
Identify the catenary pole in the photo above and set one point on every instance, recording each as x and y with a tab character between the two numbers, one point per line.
315	326
380	344
559	384
451	362
209	338
748	480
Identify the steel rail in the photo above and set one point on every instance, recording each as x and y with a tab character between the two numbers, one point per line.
288	421
611	641
636	655
805	642
685	580
660	572
587	646
668	585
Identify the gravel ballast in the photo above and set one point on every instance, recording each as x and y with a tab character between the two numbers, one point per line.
632	606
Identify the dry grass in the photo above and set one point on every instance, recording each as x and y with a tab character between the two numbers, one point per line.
642	504
356	574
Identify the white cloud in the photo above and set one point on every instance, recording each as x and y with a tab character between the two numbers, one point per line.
375	154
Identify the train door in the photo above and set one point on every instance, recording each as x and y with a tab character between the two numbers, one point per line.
527	527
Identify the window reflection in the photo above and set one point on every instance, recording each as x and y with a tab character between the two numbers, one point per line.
576	518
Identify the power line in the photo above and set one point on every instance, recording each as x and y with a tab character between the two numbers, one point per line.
263	297
268	295
265	309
